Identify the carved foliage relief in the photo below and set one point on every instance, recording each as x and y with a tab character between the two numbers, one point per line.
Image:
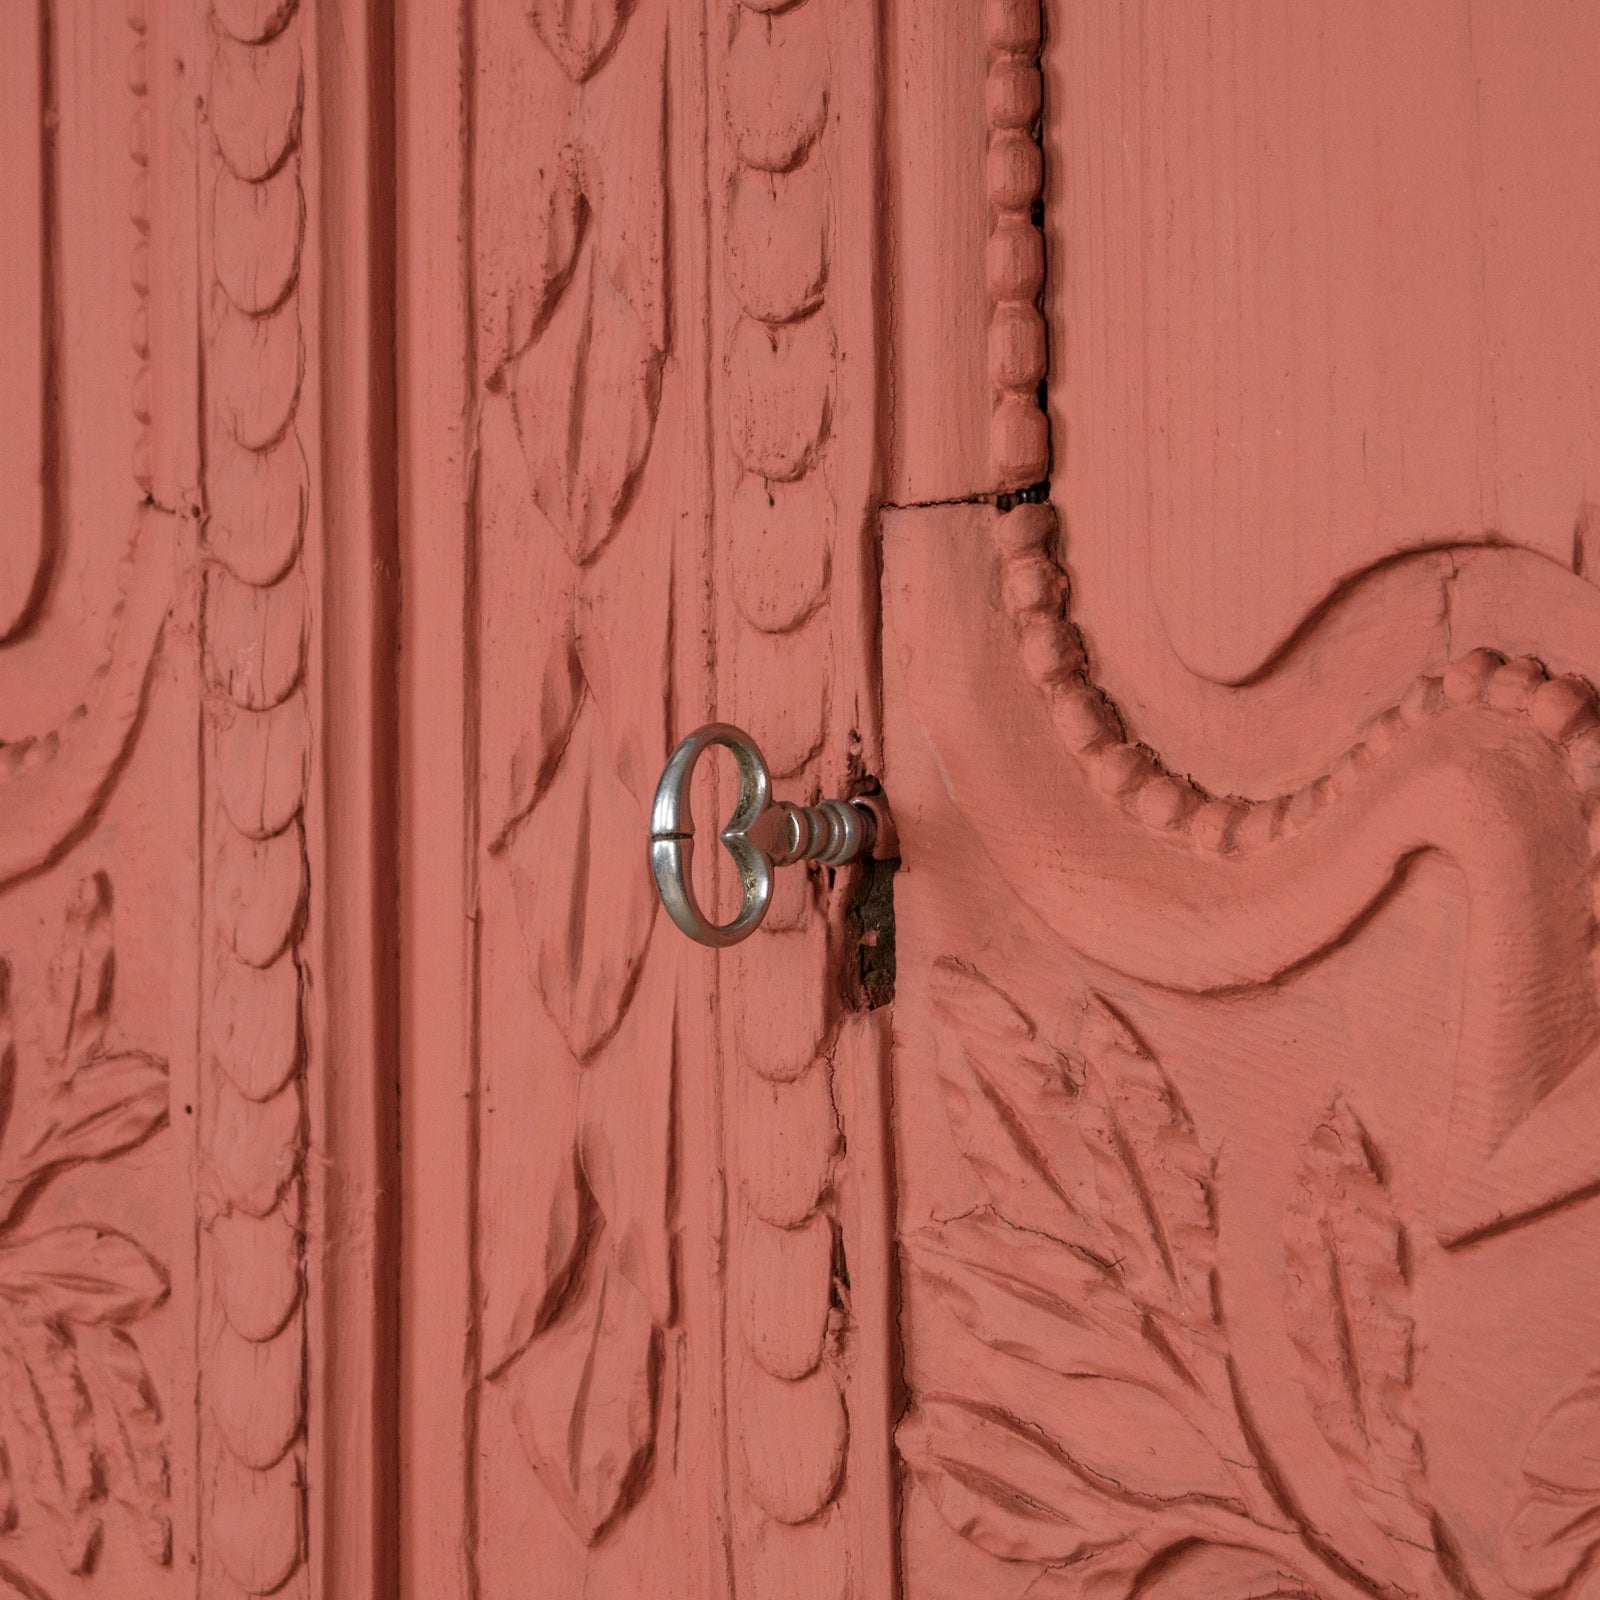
1100	1343
666	525
1083	1413
573	327
83	1427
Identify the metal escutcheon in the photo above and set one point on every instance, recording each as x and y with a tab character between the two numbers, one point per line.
762	833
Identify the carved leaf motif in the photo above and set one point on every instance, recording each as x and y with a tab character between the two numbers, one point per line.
585	398
1556	1525
1001	1485
528	715
80	1274
1347	1300
580	34
82	1420
1221	1572
625	1146
113	1105
529	212
1189	1571
1128	1440
585	1399
53	1437
1113	1573
1029	1296
1153	1179
1011	1102
584	905
542	1277
80	977
1077	1404
136	1452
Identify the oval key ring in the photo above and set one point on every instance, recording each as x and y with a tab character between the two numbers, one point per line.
761	834
672	837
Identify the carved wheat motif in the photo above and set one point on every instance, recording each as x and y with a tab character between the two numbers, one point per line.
1079	1408
571	245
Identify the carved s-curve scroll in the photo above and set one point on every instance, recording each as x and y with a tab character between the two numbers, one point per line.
1493	764
53	780
255	619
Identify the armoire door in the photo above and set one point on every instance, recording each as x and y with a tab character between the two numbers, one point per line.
1152	442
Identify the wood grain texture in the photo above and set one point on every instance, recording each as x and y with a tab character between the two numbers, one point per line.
1317	288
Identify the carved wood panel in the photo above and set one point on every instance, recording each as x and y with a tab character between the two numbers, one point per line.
164	1062
1246	1013
667	332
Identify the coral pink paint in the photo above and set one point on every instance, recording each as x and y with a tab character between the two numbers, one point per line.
1153	444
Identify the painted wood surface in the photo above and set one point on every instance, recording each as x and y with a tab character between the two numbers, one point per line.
1246	1021
635	1215
191	1368
1152	441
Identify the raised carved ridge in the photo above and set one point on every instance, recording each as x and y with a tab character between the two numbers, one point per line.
255	620
139	266
1019	429
53	781
1077	1399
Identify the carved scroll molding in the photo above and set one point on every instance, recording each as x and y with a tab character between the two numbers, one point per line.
55	779
255	620
1491	764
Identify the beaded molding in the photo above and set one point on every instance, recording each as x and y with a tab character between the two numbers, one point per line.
1019	430
1035	593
